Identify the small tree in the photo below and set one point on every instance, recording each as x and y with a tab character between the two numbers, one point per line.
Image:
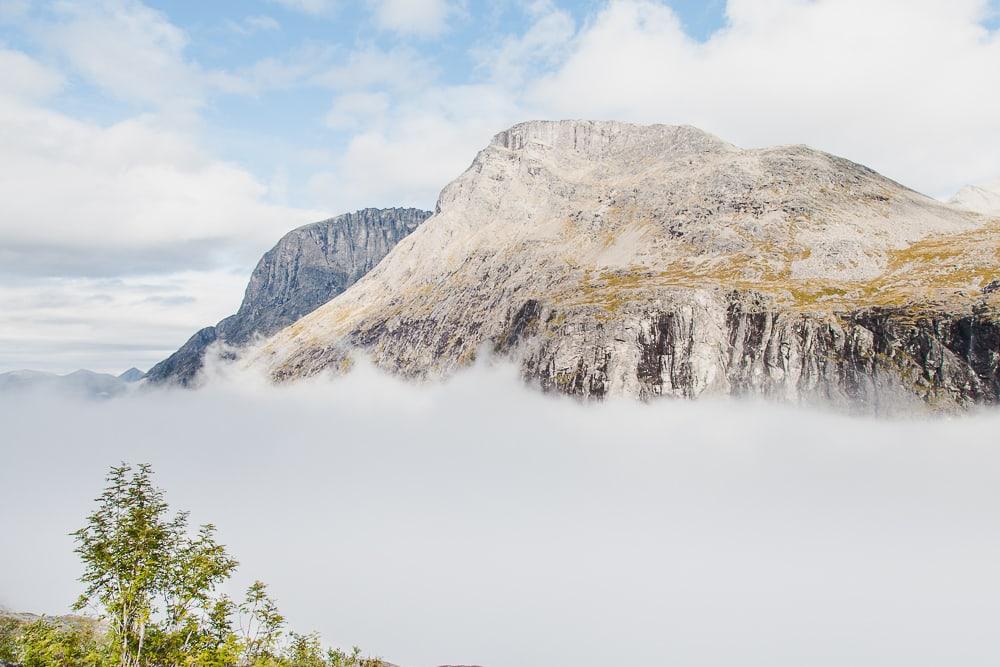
155	583
304	650
126	548
219	646
145	572
196	567
261	625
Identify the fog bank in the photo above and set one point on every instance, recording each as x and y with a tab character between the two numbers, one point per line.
477	522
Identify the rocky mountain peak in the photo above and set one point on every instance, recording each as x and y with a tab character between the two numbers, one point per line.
131	375
305	269
620	259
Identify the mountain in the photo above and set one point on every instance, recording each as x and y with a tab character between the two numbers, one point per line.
612	259
308	266
132	375
78	384
983	199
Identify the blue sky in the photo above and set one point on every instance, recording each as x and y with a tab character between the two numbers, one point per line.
153	150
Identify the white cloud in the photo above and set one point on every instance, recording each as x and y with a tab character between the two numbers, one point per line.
109	324
405	156
543	45
900	86
397	70
253	24
131	51
357	109
415	17
122	197
24	77
400	70
14	10
313	7
475	523
278	73
81	198
135	54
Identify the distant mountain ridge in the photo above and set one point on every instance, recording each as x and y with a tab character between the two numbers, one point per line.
983	199
79	384
305	269
612	259
132	375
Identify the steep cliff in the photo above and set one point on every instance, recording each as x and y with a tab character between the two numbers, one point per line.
308	266
613	259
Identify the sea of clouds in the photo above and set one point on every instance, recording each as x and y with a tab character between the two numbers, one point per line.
479	522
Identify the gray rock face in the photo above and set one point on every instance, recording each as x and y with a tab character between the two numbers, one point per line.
182	366
308	267
878	360
612	259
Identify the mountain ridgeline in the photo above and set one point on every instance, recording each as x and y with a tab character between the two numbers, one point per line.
611	259
308	266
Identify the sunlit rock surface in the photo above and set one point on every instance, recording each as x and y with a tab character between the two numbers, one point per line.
613	259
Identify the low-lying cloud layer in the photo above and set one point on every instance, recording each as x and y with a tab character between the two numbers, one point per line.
476	522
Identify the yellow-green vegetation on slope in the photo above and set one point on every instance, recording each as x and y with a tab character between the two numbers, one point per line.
955	269
956	265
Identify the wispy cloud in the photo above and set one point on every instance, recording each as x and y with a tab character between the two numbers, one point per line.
251	25
312	7
415	17
131	51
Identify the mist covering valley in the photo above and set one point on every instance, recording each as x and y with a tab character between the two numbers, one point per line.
479	522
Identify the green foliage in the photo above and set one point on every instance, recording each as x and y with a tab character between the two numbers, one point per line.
261	625
338	658
304	651
45	643
10	633
155	585
143	569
